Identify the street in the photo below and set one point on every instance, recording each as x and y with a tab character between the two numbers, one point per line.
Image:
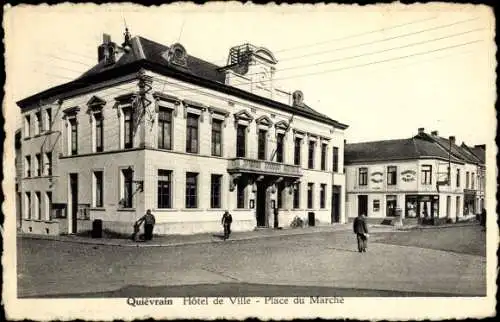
320	264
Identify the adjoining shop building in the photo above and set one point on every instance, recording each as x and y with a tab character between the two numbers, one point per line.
151	127
425	176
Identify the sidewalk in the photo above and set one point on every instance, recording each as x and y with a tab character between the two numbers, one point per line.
178	240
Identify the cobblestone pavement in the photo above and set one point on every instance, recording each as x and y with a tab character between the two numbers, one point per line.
312	261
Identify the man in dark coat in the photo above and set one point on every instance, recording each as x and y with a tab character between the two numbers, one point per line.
149	223
483	218
361	230
227	219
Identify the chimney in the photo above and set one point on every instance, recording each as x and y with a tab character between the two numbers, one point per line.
452	139
421	130
481	146
435	133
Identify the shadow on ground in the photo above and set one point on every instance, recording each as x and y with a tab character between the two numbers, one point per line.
244	289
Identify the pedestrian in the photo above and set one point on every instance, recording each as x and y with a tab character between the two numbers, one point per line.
483	218
361	230
149	223
227	219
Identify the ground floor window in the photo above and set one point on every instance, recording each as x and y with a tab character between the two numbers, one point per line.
98	189
280	193
391	205
38	205
164	190
48	204
310	195
215	189
421	206
322	196
28	205
126	189
240	195
191	190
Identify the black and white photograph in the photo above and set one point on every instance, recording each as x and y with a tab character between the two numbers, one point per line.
234	161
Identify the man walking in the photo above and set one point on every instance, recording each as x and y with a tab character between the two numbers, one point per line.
149	223
227	219
361	230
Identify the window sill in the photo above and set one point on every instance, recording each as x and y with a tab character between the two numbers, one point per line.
125	209
243	209
98	209
164	210
191	209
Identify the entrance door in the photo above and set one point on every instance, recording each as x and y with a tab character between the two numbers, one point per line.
260	206
390	206
363	205
335	204
73	190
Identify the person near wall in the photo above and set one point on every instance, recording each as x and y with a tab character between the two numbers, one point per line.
149	223
276	214
483	218
227	219
361	230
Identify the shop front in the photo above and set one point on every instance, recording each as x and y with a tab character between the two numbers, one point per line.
422	206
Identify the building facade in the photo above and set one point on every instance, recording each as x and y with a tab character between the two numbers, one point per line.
422	177
151	127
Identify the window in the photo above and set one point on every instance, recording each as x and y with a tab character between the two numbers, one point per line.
38	165
323	156
217	138
376	205
240	141
363	176
164	189
335	166
48	204
296	196
165	129
311	155
426	174
27	169
215	189
74	136
48	119
279	147
38	205
28	205
98	189
191	190
322	196
38	123
48	163
391	175
128	134
261	155
127	193
280	192
458	178
240	196
310	195
192	133
99	132
472	177
27	126
467	180
296	159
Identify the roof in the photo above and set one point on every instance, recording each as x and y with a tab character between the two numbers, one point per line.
147	54
456	150
392	150
478	151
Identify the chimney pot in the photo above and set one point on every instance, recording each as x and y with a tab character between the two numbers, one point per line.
106	38
452	139
421	130
435	133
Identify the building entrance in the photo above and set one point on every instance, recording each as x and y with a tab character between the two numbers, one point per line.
260	207
73	190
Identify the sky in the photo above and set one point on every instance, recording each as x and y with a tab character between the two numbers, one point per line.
384	70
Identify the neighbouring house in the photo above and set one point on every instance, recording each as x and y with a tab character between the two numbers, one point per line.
425	176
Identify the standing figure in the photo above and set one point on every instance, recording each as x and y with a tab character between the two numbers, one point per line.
483	218
226	223
361	230
276	214
149	223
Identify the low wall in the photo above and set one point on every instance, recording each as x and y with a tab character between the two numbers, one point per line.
40	227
